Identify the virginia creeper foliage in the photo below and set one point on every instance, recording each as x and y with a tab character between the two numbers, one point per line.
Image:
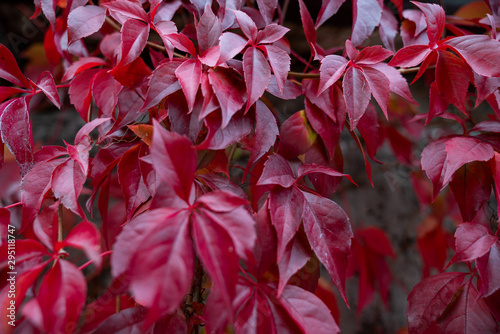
201	203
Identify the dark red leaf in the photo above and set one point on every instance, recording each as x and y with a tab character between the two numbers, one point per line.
308	26
277	171
81	65
471	242
257	74
208	31
162	83
487	266
356	94
467	314
16	131
80	92
328	9
84	21
280	64
132	74
329	233
174	159
296	136
430	298
295	256
229	90
379	86
266	131
219	137
105	90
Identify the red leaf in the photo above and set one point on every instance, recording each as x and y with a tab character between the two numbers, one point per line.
80	94
329	233
189	76
397	83
471	242
487	266
25	250
468	314
220	137
6	92
332	68
280	64
132	74
247	25
277	171
313	168
16	132
67	183
130	102
174	159
267	9
48	87
286	208
410	56
479	52
430	298
130	178
162	83
401	146
9	69
471	186
309	29
134	37
60	299
105	90
369	129
229	90
356	94
452	78
435	19
84	21
257	74
372	55
85	237
366	16
495	171
388	28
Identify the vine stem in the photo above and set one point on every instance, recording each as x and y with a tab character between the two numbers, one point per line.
60	223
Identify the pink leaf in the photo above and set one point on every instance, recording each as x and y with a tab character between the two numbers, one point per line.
388	29
366	16
479	52
48	87
267	9
124	10
332	68
379	86
257	74
429	299
247	25
329	233
84	21
208	31
471	242
230	45
134	37
16	131
280	64
189	76
81	65
9	69
67	183
174	159
435	18
356	94
271	33
397	83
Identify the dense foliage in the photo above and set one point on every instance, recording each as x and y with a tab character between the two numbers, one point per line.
203	205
